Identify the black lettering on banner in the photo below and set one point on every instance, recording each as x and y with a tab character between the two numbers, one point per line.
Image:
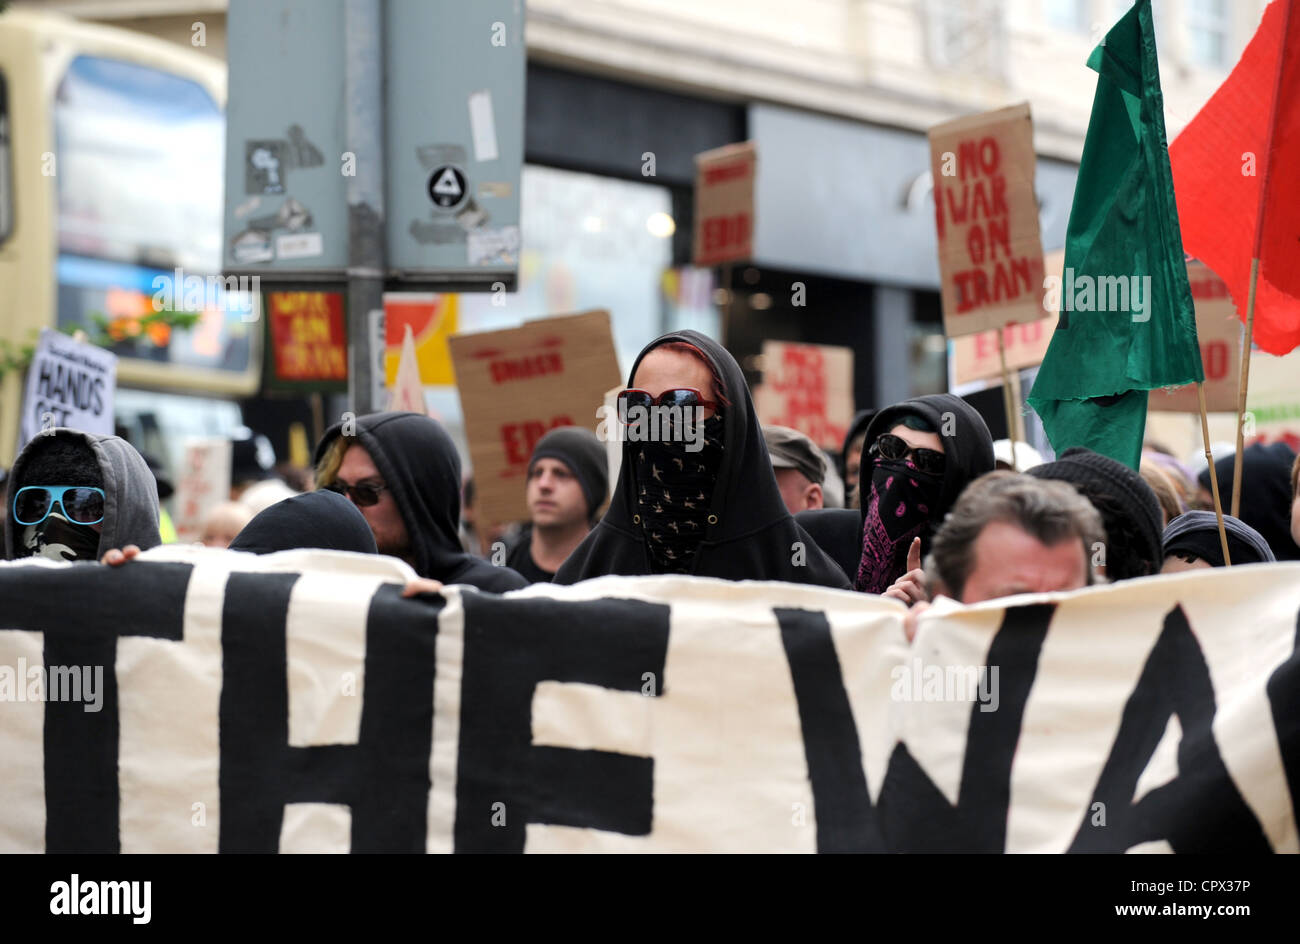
1284	703
1201	809
846	819
511	646
384	778
81	747
915	814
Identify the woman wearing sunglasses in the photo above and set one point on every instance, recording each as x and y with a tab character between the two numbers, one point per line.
73	495
917	457
695	493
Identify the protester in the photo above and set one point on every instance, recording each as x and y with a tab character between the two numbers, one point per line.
921	453
799	467
403	472
1130	511
322	519
1162	485
223	523
73	495
1176	473
252	459
568	480
851	454
1191	541
1266	493
696	497
163	482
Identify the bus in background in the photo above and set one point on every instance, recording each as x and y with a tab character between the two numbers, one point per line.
111	157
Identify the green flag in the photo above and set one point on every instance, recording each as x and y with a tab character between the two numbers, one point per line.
1126	319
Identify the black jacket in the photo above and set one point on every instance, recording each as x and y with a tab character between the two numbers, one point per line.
321	519
969	453
421	467
753	536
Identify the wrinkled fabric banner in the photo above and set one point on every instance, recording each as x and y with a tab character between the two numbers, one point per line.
211	701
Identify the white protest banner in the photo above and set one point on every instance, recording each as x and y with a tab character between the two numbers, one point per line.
808	387
986	214
203	483
69	383
299	703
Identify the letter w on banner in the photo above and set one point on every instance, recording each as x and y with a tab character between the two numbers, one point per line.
296	702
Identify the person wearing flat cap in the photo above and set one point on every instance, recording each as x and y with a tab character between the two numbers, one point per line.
799	467
568	480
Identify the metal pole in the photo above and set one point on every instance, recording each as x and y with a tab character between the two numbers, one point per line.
364	136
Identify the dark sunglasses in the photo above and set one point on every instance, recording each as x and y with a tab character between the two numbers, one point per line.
889	446
685	397
363	494
79	503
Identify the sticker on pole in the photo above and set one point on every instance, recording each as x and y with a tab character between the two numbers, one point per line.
447	187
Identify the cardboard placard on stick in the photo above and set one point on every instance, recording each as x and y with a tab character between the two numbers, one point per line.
975	356
986	215
1219	332
724	204
518	383
808	387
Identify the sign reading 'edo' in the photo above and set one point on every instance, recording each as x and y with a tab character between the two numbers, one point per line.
297	702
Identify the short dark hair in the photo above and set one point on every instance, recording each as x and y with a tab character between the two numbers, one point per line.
1050	511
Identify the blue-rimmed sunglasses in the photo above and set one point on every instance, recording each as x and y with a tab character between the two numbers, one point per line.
81	504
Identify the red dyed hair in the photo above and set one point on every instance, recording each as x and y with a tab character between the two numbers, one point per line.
686	347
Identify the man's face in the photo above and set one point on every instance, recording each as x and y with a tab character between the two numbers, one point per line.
1008	561
384	517
1176	565
798	493
555	498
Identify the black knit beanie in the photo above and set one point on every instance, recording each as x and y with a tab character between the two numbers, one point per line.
62	461
1129	508
584	454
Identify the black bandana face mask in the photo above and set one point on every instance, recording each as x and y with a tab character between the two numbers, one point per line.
674	491
58	539
897	507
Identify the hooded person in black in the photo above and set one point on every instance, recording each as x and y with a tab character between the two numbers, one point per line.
714	511
1265	493
418	467
898	501
68	458
322	519
851	454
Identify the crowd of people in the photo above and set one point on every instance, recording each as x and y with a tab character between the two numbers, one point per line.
920	502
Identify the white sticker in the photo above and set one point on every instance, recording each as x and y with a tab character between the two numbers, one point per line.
483	126
493	246
247	207
299	245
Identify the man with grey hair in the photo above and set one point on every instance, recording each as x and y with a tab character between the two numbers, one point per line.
1007	534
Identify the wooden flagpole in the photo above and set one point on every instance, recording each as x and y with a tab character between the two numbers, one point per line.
1214	478
1008	399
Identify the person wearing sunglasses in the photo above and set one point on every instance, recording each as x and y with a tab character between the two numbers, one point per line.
402	472
695	492
74	494
917	457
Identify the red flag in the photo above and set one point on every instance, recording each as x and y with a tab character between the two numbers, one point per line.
1238	155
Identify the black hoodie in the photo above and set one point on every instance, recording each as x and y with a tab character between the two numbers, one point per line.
969	453
321	519
752	537
420	465
1265	493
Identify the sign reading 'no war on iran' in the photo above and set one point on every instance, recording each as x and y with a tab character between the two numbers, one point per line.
296	702
69	384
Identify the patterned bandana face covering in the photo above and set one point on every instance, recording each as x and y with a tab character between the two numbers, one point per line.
61	540
897	510
674	492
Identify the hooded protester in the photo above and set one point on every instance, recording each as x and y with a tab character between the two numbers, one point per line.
851	454
1265	493
323	519
74	495
697	497
403	472
907	486
1130	510
1192	541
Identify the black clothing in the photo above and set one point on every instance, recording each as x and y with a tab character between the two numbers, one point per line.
749	534
322	519
1196	534
1265	493
420	466
520	560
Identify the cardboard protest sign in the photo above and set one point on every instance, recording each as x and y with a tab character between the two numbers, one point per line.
986	214
308	337
203	483
724	204
1219	332
808	387
301	704
974	357
518	383
69	383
